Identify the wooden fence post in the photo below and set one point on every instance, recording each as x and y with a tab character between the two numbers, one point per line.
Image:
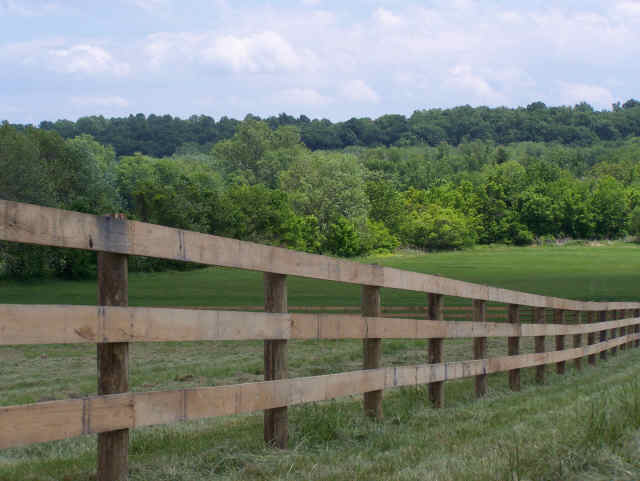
603	334
591	336
577	341
623	330
436	313
558	318
514	347
615	314
636	313
480	345
276	420
113	360
371	307
539	317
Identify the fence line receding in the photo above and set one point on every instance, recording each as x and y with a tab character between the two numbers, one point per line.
111	325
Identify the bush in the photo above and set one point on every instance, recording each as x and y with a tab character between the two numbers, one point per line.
377	238
343	239
521	236
439	228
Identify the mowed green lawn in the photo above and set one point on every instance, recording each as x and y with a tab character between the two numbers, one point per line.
578	426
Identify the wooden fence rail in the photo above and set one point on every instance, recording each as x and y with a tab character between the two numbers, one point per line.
52	420
112	325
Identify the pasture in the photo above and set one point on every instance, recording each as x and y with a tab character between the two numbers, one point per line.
577	426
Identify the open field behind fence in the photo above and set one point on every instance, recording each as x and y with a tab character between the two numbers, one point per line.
582	332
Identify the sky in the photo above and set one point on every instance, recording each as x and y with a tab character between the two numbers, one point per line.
321	58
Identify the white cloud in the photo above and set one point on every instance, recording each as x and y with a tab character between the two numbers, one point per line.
107	101
57	55
465	78
266	51
86	59
595	95
151	5
359	91
27	8
339	59
387	18
630	8
303	96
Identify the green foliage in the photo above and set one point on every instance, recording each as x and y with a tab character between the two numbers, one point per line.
376	238
41	167
343	238
257	154
609	207
174	192
436	227
437	180
634	223
255	213
327	185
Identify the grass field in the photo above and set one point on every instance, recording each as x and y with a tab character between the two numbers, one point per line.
578	426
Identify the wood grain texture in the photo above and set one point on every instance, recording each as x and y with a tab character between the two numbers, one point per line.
577	340
480	346
591	337
64	324
34	224
615	314
113	360
603	315
48	421
372	349
539	343
513	346
276	420
436	347
558	318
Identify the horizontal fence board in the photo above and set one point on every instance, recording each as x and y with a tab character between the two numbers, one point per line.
461	310
48	421
59	324
34	224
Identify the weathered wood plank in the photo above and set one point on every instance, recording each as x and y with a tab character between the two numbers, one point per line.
603	333
558	318
113	361
48	421
372	349
480	346
539	343
577	340
514	346
615	314
591	337
436	345
46	226
62	324
276	420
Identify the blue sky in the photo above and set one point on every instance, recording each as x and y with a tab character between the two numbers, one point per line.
321	58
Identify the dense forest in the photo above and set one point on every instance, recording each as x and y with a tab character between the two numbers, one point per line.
442	179
161	136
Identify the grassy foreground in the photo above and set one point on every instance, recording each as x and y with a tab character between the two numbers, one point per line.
579	426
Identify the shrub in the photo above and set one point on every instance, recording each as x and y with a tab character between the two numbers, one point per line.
439	228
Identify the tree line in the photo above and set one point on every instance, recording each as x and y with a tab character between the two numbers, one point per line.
265	184
164	135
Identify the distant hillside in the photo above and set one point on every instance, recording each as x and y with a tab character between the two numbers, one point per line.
165	135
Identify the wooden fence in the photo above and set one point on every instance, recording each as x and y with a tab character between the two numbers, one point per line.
112	325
